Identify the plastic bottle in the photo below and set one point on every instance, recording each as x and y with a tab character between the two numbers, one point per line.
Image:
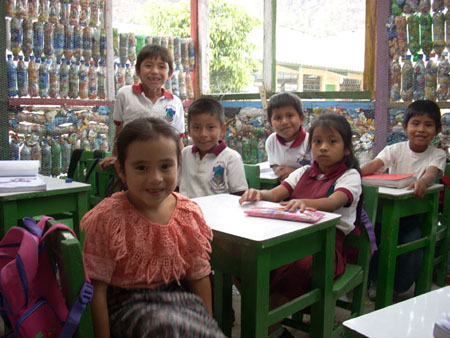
10	8
53	11
48	39
12	77
123	48
58	40
407	79
84	4
74	15
164	41
438	5
175	84
419	79
44	79
136	79
170	45
25	152
185	53
38	38
191	55
16	36
73	80
410	6
27	37
84	17
140	42
447	29
132	48
430	80
54	79
128	75
56	157
96	44
120	76
190	86
168	84
65	156
177	51
64	79
424	6
182	84
93	81
443	78
21	9
77	42
32	78
35	151
8	34
102	44
84	81
69	41
87	43
413	22
64	12
22	78
32	9
45	158
14	149
426	31
116	42
101	87
43	11
93	21
438	32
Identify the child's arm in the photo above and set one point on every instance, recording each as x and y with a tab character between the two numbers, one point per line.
202	288
371	167
108	161
100	310
276	194
427	179
331	203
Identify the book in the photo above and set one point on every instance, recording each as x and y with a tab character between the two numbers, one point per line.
307	216
20	176
389	180
442	327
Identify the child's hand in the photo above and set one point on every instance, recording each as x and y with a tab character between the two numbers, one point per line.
251	195
420	187
283	172
106	162
294	205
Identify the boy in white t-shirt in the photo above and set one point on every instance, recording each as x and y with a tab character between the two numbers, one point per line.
286	147
209	166
422	122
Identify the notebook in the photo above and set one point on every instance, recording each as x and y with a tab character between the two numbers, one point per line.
389	180
307	216
18	176
442	327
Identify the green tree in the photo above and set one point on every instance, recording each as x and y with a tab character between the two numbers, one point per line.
231	64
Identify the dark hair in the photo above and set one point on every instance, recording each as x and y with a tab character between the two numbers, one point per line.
283	100
423	107
341	125
153	52
207	105
142	129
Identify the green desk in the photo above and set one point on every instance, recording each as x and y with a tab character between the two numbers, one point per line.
250	247
59	197
392	205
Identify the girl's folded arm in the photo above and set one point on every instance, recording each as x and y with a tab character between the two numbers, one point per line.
331	203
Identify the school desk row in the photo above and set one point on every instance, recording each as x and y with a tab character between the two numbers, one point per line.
250	247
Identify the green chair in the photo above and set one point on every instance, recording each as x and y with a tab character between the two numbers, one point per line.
82	169
252	175
355	276
66	251
440	261
101	181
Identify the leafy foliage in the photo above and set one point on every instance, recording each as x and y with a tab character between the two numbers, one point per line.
231	64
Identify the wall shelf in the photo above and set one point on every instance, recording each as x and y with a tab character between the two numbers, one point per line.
57	102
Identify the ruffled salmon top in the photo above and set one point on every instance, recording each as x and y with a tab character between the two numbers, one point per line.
125	249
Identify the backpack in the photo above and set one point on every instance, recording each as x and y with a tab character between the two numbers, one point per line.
31	301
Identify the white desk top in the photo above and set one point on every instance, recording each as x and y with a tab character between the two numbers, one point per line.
266	172
223	213
414	317
53	183
403	191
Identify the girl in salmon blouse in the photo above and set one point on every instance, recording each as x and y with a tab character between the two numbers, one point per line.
146	249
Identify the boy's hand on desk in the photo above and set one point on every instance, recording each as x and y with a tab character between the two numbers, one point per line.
251	195
283	172
420	187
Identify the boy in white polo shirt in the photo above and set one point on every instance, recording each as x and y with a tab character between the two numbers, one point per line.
209	167
286	147
154	65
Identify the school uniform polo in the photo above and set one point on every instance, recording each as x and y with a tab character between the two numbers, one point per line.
220	171
131	103
289	154
346	180
400	159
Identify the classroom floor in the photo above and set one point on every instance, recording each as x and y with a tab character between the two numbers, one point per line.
339	318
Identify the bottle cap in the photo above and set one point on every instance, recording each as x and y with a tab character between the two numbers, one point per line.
69	180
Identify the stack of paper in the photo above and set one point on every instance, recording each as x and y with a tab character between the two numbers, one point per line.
389	180
20	176
442	327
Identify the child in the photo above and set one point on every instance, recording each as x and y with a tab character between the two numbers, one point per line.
287	147
141	243
422	122
332	183
209	166
154	65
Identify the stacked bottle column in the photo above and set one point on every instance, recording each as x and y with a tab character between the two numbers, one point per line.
54	29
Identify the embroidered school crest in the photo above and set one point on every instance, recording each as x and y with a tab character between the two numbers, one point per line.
218	181
170	113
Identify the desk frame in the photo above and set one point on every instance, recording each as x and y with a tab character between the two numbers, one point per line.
392	209
252	262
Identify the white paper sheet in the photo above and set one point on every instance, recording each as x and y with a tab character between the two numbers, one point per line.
19	168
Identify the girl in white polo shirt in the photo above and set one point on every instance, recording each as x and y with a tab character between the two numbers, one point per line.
287	147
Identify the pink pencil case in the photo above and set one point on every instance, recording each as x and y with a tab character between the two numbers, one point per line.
307	216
